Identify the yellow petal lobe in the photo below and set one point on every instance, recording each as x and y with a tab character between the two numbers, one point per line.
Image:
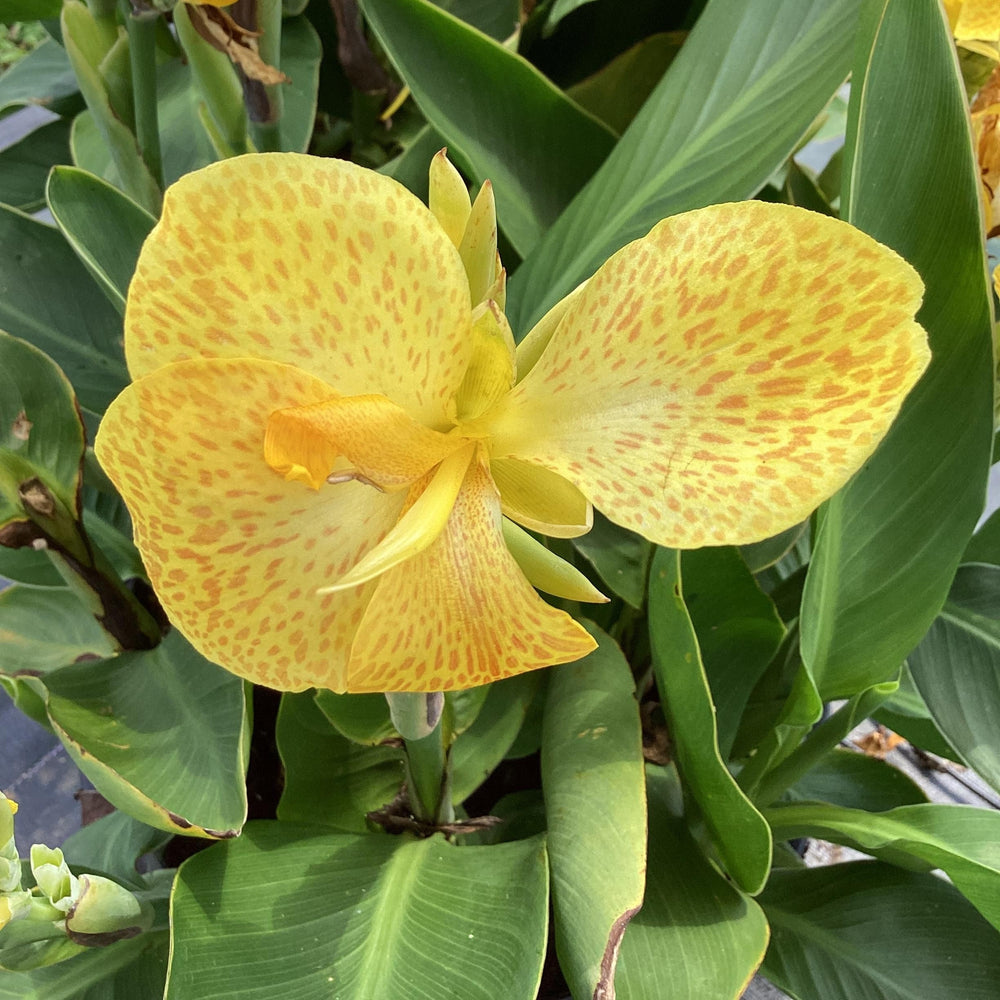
545	570
717	380
430	506
530	349
541	500
448	197
461	613
381	443
479	244
491	371
308	261
236	554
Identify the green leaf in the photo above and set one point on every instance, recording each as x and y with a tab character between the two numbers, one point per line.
42	77
85	46
957	669
112	845
133	968
621	558
616	93
984	546
477	751
466	85
738	630
48	299
857	781
28	10
363	718
696	935
330	780
161	735
595	803
737	831
105	228
288	912
497	18
960	840
25	165
301	53
743	90
43	630
868	931
41	434
889	542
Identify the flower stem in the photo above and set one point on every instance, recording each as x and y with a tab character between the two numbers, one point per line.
142	56
417	717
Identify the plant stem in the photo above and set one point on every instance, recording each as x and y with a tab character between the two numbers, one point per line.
417	717
142	55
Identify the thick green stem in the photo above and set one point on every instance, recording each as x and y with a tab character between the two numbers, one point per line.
417	717
142	55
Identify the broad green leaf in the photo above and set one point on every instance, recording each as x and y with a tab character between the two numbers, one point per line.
889	542
42	77
559	10
363	718
48	298
41	434
960	840
25	165
160	734
497	18
112	845
85	45
621	558
696	935
411	167
285	911
43	630
104	227
957	669
762	555
738	630
477	751
329	780
737	831
133	968
28	10
616	93
857	781
867	931
595	804
467	86
984	546
301	52
743	90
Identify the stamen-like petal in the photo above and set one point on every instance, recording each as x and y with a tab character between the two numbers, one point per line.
235	553
541	500
461	613
377	437
545	570
717	380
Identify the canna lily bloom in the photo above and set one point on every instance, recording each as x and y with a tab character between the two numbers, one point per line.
330	440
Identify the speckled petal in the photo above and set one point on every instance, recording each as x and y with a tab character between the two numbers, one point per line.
235	552
378	439
461	613
717	380
308	261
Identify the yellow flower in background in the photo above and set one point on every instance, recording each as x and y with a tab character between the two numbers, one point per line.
330	432
975	25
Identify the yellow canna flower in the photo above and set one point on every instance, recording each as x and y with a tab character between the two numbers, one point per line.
330	432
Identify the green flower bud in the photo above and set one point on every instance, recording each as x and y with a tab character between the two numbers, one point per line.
53	877
105	912
13	906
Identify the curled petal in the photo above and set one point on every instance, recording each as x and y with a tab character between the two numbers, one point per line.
448	197
541	500
382	443
461	613
235	552
312	262
717	380
545	570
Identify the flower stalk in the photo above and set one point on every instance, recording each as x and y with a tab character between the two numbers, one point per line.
142	26
417	717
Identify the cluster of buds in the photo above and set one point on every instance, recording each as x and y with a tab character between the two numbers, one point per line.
62	912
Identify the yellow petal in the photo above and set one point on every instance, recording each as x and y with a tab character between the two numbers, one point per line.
479	244
461	613
718	379
382	444
530	349
977	19
545	570
236	554
419	527
541	500
312	262
448	197
491	370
